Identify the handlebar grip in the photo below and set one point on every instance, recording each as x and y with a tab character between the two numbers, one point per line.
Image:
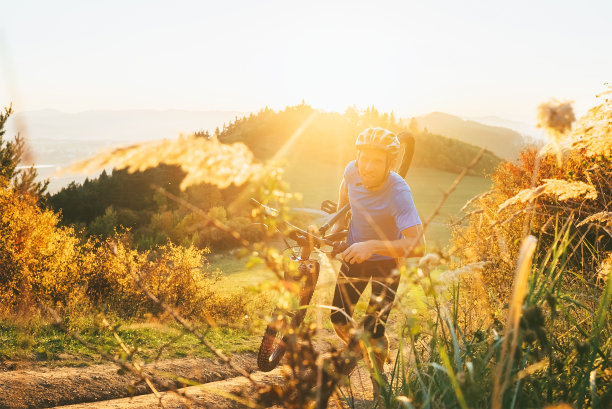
339	248
337	236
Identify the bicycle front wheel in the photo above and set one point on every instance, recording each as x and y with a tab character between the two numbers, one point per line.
273	345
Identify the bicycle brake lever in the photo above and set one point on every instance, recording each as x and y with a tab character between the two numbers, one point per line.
329	207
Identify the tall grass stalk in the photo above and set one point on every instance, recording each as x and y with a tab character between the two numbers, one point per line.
600	320
514	318
452	377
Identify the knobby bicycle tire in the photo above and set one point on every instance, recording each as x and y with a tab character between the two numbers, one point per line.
273	348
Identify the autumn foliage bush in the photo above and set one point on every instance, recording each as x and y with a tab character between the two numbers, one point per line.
41	262
37	259
176	275
566	183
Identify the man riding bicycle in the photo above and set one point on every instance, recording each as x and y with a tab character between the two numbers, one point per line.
384	227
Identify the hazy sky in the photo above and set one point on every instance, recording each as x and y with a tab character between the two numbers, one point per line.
462	57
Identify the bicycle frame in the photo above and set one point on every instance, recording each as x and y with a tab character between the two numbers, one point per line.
272	346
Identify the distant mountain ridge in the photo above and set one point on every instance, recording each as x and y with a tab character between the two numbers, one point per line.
124	126
129	126
505	143
303	135
530	133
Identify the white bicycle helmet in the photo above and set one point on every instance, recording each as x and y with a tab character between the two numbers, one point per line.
378	138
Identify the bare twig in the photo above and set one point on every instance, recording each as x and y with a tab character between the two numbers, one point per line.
190	327
127	366
203	214
452	188
130	353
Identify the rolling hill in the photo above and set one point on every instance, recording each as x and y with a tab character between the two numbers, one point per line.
301	134
503	142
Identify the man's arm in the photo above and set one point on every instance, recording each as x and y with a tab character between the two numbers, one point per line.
411	245
342	200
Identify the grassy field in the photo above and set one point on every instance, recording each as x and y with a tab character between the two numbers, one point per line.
234	274
48	345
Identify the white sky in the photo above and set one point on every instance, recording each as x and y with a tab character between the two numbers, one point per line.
413	57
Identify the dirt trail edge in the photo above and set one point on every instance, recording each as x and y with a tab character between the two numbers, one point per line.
213	395
44	387
209	395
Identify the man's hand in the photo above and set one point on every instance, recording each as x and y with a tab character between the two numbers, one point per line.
359	252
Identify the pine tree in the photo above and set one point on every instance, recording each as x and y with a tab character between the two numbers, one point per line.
11	154
413	126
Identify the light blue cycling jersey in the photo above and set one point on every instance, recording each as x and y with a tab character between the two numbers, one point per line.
381	214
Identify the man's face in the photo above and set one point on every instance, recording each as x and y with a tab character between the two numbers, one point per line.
372	166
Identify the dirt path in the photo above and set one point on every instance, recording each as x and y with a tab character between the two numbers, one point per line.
101	386
209	395
44	388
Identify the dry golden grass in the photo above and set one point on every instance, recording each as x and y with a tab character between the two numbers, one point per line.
204	160
561	189
567	181
502	376
556	117
593	134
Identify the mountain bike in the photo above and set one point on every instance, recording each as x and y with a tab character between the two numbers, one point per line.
274	342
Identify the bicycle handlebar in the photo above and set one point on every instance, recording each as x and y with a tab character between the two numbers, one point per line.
303	237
